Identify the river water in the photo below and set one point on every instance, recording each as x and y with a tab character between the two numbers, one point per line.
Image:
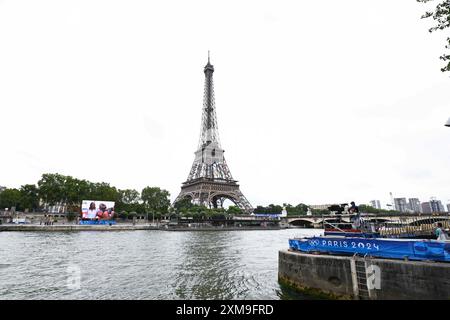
144	264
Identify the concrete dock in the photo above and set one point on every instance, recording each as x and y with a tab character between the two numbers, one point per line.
221	228
119	227
346	277
74	227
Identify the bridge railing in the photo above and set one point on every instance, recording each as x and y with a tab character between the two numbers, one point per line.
365	214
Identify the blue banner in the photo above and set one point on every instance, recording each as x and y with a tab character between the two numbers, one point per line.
97	222
267	215
384	248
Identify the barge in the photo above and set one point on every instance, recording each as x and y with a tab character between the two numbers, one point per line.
405	249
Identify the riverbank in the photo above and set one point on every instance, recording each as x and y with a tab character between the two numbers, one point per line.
75	227
221	228
121	227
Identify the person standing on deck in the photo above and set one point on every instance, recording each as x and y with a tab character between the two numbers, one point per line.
356	219
440	233
353	208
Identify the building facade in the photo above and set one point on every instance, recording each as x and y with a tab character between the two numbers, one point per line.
401	204
436	206
432	206
426	207
375	204
414	205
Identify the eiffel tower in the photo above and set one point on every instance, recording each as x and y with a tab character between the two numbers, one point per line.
210	182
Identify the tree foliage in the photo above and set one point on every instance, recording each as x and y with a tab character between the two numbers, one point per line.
51	188
183	205
270	209
155	199
300	209
441	15
129	196
56	189
129	200
234	210
29	197
10	198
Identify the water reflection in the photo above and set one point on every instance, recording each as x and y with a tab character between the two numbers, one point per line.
145	264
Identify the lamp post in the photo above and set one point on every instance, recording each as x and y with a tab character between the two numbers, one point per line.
448	123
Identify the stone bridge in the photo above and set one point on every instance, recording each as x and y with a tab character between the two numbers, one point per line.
317	221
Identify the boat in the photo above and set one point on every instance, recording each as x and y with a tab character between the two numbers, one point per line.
347	230
357	227
405	249
411	239
407	228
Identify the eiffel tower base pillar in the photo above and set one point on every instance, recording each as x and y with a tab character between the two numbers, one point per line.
209	193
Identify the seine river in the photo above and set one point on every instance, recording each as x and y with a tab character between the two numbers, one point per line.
144	264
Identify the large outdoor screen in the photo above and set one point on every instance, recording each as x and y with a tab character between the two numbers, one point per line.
97	210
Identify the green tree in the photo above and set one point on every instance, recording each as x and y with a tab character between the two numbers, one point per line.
129	196
155	199
441	15
29	197
103	191
197	211
10	198
302	209
51	188
123	215
128	200
260	209
234	210
183	205
217	213
55	188
270	209
275	209
75	191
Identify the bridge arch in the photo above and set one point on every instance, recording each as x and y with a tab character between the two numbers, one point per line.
305	223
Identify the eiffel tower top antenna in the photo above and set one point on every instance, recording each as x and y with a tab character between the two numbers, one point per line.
208	56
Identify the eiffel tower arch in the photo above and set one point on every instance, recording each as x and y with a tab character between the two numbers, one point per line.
210	181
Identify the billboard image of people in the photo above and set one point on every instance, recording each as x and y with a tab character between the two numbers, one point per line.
97	210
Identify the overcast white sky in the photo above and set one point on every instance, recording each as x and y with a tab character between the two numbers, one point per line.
317	101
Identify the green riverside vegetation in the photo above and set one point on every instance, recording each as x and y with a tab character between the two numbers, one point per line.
56	189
